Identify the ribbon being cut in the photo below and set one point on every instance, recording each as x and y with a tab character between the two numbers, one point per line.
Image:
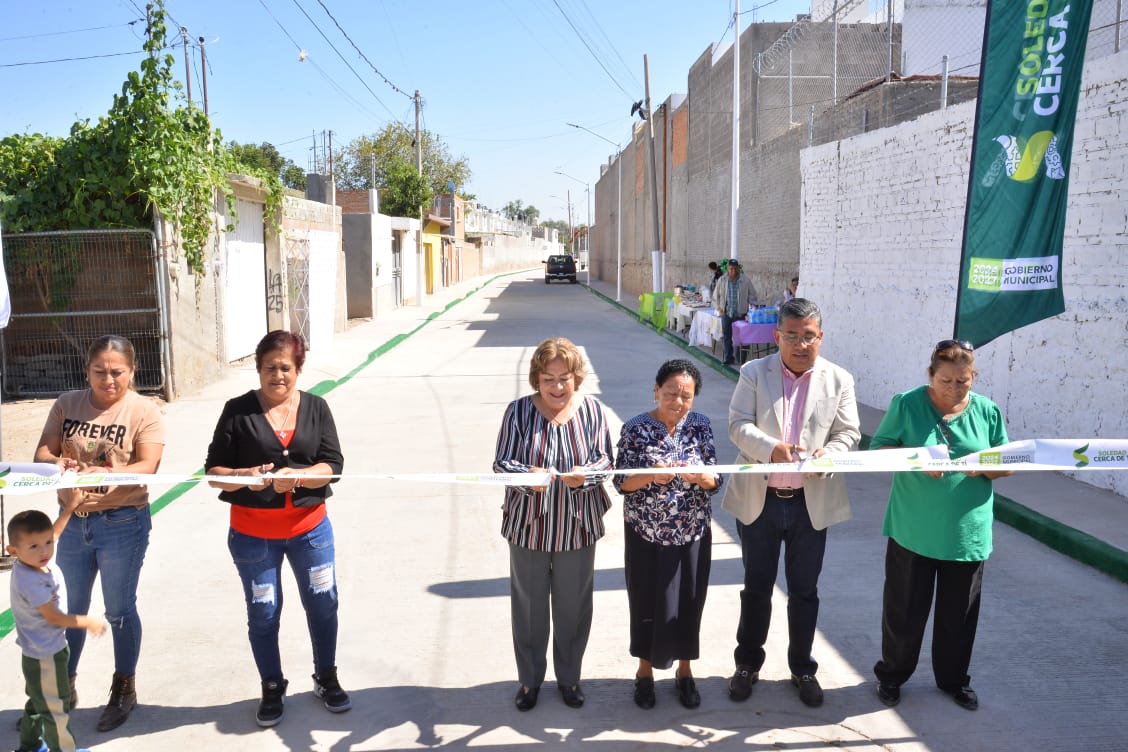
1029	455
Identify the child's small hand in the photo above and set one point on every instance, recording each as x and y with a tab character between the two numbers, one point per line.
97	627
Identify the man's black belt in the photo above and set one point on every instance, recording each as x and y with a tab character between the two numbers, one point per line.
785	493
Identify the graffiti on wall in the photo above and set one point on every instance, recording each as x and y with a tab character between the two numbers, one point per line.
275	294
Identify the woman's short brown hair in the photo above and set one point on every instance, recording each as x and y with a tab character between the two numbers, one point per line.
280	339
956	353
550	350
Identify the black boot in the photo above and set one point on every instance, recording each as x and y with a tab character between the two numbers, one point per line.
123	698
272	706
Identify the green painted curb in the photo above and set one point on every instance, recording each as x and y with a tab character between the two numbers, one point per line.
1062	538
7	623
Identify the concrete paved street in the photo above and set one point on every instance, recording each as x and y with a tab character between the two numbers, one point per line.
425	647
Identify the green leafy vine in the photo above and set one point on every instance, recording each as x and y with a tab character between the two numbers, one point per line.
144	154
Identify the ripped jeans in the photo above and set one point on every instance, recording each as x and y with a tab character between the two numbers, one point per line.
259	561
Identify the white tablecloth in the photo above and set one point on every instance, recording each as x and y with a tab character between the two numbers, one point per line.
683	314
705	327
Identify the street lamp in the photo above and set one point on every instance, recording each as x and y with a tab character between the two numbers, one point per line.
568	206
587	234
618	215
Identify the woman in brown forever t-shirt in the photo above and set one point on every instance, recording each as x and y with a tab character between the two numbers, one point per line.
106	428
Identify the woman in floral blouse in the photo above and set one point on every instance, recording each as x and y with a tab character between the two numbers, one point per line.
668	538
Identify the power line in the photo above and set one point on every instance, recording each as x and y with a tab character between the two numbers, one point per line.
610	44
591	51
343	60
362	55
72	59
71	31
318	68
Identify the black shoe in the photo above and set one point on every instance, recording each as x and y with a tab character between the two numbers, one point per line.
123	698
526	699
740	685
272	706
573	696
644	692
730	363
688	695
809	690
328	689
889	693
966	698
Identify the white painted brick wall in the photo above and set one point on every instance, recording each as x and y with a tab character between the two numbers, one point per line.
882	220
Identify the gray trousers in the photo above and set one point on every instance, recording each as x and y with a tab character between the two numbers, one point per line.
562	580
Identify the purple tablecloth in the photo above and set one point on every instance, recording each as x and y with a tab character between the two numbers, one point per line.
744	333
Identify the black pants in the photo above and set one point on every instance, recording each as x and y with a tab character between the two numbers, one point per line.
728	351
783	523
909	583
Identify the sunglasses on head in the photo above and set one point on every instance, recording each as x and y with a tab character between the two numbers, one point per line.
963	344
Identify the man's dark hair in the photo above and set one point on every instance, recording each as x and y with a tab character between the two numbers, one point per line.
799	309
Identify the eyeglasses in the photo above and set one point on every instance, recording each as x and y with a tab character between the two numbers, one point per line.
795	339
963	344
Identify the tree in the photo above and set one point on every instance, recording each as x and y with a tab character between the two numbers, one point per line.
561	227
405	191
384	153
265	157
516	209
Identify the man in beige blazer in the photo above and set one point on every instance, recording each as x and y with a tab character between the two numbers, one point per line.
787	407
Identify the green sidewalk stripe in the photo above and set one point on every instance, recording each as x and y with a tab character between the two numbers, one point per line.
1057	535
1063	538
7	624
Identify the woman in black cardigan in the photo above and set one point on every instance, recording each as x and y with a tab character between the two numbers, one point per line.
286	440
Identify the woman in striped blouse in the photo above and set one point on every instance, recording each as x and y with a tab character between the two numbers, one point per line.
552	529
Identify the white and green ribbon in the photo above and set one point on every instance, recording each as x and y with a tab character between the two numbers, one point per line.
1030	455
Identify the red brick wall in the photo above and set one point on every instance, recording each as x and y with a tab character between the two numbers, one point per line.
353	202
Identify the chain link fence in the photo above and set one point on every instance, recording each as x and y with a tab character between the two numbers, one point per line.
68	289
844	48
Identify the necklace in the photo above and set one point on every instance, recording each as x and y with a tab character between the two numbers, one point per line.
278	428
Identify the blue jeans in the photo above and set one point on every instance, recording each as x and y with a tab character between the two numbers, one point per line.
113	544
259	561
783	521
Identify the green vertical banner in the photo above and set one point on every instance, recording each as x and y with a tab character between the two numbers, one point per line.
1029	82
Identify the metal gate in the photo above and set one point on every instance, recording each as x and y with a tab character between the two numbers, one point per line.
297	284
397	268
68	289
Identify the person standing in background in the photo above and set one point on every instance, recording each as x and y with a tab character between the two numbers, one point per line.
733	297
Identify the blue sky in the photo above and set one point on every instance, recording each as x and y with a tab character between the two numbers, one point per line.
499	78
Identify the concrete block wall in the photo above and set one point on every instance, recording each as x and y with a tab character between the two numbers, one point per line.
194	312
882	222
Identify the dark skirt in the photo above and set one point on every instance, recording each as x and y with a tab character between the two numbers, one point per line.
666	588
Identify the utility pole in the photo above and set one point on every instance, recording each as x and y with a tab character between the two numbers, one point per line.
657	257
734	220
571	231
419	266
204	74
418	133
187	67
